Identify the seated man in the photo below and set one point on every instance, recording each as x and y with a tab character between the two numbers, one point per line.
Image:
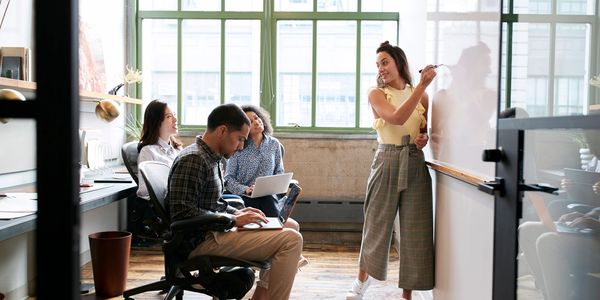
563	252
196	188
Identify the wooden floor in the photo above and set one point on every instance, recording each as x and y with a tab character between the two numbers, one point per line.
329	274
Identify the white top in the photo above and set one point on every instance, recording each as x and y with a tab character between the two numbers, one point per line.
162	151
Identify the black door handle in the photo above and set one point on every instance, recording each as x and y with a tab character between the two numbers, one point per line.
538	187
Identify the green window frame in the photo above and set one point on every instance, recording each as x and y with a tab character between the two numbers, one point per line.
268	19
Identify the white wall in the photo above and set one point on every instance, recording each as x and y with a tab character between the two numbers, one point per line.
464	241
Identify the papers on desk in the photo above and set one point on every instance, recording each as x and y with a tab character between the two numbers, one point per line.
16	205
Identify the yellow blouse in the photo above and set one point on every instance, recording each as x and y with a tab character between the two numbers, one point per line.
392	134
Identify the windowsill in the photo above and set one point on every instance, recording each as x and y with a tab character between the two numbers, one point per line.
303	135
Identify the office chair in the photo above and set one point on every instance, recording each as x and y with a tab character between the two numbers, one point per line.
142	221
129	153
219	277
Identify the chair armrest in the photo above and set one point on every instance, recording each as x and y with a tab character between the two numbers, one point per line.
236	203
211	222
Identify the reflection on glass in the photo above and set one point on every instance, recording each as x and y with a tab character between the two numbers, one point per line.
382	6
533	70
467	82
575	7
294	73
201	5
159	62
463	6
243	5
242	61
201	64
157	5
336	78
372	33
570	88
530	68
559	235
337	5
532	6
293	5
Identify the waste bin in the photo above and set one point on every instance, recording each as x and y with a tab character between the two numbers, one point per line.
110	261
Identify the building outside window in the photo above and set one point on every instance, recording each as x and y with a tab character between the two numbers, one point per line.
310	63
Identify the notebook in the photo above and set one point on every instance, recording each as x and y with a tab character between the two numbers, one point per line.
271	185
286	210
581	191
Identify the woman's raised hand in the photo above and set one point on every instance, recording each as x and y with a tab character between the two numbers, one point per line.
427	75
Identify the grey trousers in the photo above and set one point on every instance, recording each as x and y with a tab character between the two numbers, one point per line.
399	184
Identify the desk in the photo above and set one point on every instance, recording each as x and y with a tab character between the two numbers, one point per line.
88	201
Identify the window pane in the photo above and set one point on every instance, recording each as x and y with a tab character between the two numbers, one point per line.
575	7
243	5
381	5
533	6
549	262
157	5
294	69
530	67
293	5
372	33
336	74
336	5
202	5
242	61
159	62
201	64
459	6
572	42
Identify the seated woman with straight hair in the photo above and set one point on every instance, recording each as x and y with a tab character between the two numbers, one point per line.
158	141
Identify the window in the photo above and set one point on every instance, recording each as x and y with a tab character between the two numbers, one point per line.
308	62
550	56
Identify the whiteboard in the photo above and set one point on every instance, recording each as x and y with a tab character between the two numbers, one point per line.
464	101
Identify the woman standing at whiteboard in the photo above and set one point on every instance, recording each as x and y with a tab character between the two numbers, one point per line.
399	182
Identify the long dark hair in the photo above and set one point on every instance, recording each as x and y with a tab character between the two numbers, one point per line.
399	58
153	118
262	114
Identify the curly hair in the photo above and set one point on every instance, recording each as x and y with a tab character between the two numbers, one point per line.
399	58
262	114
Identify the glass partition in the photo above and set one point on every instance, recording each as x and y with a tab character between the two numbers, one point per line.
559	234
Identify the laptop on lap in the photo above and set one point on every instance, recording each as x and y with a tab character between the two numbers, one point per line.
286	210
271	185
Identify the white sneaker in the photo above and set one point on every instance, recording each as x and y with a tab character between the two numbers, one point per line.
358	289
302	262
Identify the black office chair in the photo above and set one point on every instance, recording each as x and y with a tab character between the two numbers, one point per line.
129	153
142	221
219	277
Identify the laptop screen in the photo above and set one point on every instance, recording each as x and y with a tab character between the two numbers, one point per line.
581	182
290	201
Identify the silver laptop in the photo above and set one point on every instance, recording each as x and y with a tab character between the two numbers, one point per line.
286	210
271	185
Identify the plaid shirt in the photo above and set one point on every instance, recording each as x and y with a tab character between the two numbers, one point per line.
195	183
